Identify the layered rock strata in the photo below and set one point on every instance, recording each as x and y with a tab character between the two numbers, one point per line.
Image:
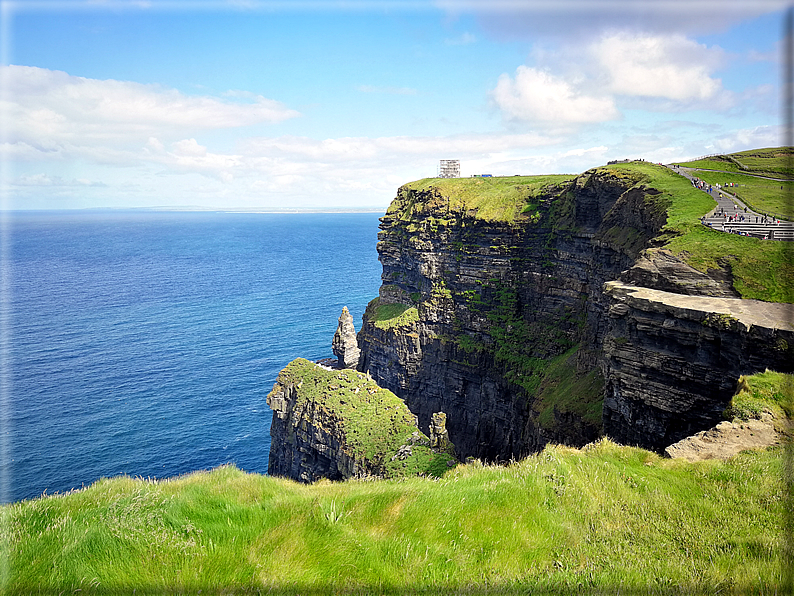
498	302
512	325
560	324
671	361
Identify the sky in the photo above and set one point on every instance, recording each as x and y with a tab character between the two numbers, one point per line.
264	105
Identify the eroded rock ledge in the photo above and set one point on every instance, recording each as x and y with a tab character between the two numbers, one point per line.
671	361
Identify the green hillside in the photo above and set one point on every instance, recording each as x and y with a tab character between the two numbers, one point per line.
762	178
761	270
773	162
604	519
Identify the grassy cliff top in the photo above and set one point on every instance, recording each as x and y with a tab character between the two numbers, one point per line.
770	161
375	422
762	178
499	198
761	270
604	519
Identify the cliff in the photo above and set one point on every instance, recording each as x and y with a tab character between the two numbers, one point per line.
537	310
672	361
338	424
493	309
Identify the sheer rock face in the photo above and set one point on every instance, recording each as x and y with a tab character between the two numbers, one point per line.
477	284
308	443
672	360
339	424
472	280
345	344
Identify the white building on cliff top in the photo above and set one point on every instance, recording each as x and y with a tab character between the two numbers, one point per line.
449	168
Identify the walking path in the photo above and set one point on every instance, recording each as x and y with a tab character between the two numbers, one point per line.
731	215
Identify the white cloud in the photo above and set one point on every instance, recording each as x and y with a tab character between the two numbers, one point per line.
189	148
537	96
756	137
361	149
44	106
572	85
670	67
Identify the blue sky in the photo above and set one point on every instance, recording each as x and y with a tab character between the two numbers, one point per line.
306	105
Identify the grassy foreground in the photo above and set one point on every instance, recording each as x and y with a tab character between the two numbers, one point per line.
604	519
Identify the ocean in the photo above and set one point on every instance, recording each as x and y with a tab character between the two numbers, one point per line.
145	343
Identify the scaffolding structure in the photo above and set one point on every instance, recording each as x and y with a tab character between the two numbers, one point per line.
449	168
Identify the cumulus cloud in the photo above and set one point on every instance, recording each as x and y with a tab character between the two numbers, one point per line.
669	67
617	71
539	97
188	148
46	106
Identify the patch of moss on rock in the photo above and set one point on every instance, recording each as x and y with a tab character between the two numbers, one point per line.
389	316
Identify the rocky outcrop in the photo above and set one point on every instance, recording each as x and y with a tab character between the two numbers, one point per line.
661	270
671	361
726	440
439	437
339	424
345	344
557	322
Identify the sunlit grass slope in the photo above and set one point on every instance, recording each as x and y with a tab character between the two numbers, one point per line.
763	176
760	194
603	518
771	161
493	199
761	269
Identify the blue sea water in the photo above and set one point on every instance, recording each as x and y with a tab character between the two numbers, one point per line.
145	343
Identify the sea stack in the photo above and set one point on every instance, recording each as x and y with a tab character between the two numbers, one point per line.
345	344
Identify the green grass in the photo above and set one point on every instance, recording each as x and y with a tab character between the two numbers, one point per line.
762	270
490	199
604	519
390	316
763	392
761	195
564	390
771	161
373	422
